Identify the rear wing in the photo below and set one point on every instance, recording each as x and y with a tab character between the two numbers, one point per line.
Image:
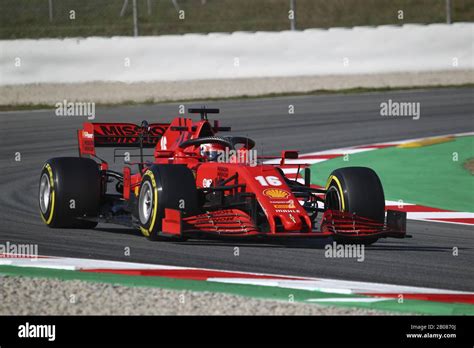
118	135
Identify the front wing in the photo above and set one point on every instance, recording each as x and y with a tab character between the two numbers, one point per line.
236	223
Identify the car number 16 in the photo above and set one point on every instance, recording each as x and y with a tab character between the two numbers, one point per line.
268	180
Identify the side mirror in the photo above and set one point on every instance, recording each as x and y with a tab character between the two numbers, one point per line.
289	154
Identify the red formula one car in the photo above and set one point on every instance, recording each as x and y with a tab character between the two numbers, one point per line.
201	184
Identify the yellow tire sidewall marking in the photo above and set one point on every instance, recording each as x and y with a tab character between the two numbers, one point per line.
51	183
339	186
147	231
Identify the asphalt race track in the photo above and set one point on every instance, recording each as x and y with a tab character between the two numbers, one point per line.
319	122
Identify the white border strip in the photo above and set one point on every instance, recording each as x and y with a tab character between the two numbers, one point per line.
302	283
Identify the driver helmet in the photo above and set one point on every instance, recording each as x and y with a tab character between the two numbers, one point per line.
211	151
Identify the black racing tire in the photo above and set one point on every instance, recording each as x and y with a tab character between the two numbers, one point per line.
356	190
69	190
165	186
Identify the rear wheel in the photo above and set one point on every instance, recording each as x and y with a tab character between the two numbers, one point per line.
356	190
165	186
69	190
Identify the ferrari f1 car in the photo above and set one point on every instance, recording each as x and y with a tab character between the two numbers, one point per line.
197	183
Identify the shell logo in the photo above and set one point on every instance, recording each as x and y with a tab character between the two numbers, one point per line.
276	193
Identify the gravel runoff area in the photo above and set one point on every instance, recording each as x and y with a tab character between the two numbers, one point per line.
118	92
45	296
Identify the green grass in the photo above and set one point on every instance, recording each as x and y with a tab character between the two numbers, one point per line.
425	175
30	18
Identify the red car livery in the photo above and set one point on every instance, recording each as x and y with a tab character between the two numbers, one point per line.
197	183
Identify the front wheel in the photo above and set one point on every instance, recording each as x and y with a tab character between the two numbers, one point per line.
165	186
356	190
69	191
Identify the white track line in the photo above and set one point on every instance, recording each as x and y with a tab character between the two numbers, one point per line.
301	283
73	264
440	215
350	299
336	286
